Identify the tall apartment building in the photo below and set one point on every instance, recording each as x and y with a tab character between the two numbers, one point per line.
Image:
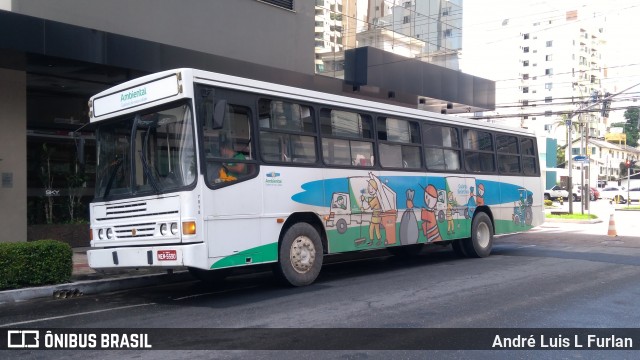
552	66
427	30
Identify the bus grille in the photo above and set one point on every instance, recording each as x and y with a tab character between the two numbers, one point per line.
133	210
131	231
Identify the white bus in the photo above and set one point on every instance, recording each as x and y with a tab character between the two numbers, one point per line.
213	172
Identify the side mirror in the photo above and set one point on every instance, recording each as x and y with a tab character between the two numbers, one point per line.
219	114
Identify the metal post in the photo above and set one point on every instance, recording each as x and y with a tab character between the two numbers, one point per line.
570	162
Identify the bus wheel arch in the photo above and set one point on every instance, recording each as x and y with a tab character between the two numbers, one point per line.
482	231
301	247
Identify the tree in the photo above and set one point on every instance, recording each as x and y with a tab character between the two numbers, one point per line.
631	126
560	156
46	177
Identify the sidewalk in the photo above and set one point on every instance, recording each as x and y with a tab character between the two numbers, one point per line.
85	280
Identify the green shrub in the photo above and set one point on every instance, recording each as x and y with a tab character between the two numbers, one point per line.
548	203
35	263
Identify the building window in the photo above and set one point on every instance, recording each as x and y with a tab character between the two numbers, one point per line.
548	99
447	33
525	49
547	113
285	4
550	43
548	86
405	20
525	63
548	58
525	76
525	89
526	36
525	102
548	71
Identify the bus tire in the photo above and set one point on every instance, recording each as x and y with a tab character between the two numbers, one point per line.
481	240
300	255
458	248
210	276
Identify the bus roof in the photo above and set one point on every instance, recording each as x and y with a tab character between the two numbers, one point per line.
165	86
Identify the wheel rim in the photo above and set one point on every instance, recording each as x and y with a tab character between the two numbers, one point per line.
303	254
483	235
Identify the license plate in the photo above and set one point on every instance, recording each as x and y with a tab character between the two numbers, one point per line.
167	255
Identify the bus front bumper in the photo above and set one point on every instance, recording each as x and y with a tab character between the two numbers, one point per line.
148	256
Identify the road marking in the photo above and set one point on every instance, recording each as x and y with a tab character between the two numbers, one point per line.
72	315
214	292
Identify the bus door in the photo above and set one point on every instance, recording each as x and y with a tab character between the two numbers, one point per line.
231	201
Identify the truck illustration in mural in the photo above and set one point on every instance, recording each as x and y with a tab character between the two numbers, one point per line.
368	201
456	200
522	212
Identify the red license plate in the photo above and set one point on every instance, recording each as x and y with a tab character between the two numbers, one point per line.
167	255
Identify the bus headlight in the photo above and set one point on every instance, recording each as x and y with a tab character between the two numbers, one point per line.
164	229
109	233
101	234
174	228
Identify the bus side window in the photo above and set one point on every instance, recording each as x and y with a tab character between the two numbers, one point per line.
287	132
228	153
442	147
347	138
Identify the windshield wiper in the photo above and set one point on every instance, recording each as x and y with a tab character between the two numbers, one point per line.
112	176
147	171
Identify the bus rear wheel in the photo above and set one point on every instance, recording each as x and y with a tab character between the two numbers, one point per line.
481	241
300	255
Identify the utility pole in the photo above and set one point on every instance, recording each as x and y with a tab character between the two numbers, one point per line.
570	145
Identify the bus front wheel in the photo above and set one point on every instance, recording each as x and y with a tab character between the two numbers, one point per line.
481	240
300	255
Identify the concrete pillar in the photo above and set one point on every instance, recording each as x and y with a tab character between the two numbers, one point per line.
13	152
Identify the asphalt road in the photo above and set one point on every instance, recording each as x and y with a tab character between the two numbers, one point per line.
556	276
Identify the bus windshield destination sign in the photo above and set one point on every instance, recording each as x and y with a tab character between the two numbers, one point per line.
135	96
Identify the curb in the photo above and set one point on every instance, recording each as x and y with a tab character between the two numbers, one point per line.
92	286
573	221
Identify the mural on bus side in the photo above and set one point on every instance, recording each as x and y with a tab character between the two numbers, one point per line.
371	212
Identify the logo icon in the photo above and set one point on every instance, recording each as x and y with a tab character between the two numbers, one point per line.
20	339
273	174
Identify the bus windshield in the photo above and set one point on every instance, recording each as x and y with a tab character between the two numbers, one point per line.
146	153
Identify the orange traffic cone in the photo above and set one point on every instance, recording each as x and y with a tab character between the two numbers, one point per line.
612	227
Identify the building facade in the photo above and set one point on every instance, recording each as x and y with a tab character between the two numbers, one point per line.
55	54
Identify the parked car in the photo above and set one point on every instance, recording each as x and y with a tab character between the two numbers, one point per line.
593	193
555	193
634	194
614	193
558	191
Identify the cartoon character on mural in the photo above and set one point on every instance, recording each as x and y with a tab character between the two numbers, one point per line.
480	195
409	223
340	202
375	205
372	203
428	216
450	204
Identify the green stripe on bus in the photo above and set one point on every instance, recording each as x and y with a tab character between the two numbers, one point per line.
261	254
